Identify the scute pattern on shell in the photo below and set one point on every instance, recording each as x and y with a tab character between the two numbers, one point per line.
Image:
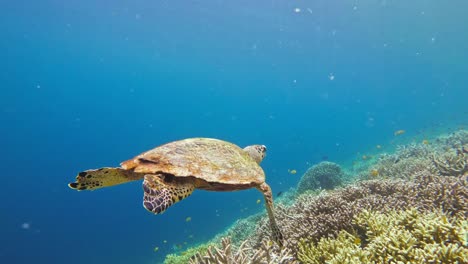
209	159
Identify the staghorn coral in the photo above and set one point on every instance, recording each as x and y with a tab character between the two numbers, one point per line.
395	237
185	256
325	175
241	229
314	217
267	254
394	167
413	150
454	140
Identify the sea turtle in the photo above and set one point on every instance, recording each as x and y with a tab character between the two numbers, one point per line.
172	171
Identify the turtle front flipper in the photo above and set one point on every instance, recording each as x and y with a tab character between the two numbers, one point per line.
164	190
103	177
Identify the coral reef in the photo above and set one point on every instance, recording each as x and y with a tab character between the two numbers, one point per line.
268	253
427	182
395	237
454	162
325	175
314	217
185	256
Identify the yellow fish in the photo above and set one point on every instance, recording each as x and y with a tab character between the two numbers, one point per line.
399	132
357	241
374	173
425	142
292	171
259	201
188	219
156	249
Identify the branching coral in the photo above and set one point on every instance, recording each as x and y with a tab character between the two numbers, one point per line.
184	257
267	254
325	175
413	151
394	167
452	163
395	237
314	217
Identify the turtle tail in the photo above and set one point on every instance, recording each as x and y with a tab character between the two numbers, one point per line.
104	177
164	190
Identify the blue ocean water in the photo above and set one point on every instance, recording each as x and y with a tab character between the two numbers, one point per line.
88	84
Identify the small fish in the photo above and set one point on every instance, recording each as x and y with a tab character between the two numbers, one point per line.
292	171
378	146
190	236
425	142
364	157
156	249
357	241
279	194
188	219
399	132
374	173
325	157
165	241
259	201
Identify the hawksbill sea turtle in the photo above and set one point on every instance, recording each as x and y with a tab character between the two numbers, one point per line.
171	172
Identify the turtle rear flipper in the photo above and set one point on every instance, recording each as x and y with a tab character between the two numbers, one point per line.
103	177
162	191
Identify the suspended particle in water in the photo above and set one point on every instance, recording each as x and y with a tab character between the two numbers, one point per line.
297	10
25	226
38	86
331	76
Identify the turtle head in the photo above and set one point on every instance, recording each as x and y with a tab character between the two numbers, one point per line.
257	152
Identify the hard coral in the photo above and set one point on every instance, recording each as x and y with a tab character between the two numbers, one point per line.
407	237
314	217
325	175
453	162
266	254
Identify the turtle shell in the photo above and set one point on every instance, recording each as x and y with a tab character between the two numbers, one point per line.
212	160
